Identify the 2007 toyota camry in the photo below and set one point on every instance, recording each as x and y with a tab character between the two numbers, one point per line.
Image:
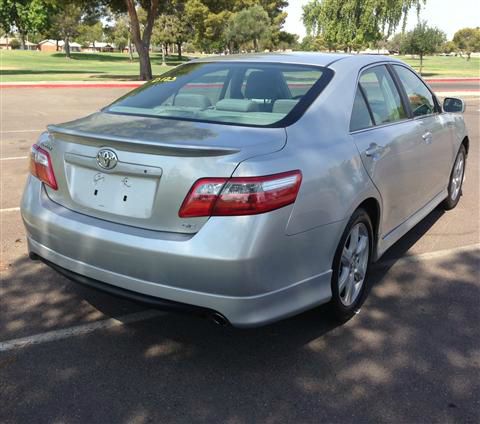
248	188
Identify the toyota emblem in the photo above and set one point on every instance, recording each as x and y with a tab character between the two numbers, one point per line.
107	159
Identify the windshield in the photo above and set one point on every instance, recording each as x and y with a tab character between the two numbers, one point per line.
238	93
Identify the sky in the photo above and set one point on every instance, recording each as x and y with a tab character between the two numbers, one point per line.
447	15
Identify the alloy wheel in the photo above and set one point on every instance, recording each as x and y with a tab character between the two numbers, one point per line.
353	264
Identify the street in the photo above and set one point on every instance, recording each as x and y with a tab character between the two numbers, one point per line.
411	355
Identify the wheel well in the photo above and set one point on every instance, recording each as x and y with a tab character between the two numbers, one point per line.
466	143
372	207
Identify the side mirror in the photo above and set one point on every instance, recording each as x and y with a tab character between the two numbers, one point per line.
453	105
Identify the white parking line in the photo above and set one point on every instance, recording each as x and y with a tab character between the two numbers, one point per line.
66	333
15	158
10	210
78	330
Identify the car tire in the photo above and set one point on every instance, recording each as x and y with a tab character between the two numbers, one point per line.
350	267
456	180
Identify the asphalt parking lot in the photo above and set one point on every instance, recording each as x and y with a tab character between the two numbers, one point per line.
73	355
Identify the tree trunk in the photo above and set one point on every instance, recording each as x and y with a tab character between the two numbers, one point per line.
56	45
255	44
163	55
22	41
421	63
179	51
130	52
143	43
66	47
468	56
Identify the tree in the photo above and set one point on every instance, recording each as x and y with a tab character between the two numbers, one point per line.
423	40
119	33
394	45
141	34
468	40
171	29
249	25
449	47
66	24
89	33
355	23
210	20
287	40
26	16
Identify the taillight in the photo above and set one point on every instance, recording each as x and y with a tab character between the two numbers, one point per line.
241	195
41	166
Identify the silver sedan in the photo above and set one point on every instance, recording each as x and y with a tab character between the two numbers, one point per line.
246	188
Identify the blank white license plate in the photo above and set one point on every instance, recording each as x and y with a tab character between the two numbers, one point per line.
113	193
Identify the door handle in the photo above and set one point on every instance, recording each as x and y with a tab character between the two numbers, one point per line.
374	150
427	137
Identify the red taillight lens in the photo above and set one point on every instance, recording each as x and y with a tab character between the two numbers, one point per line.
241	196
41	166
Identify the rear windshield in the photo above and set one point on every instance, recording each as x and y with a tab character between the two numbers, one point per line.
253	94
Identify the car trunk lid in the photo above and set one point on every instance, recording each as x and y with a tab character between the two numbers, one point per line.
157	162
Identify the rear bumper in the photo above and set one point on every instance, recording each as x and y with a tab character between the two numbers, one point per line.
244	268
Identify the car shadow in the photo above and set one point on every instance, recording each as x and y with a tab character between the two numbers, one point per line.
408	355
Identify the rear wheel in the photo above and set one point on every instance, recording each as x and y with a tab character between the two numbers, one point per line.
350	266
456	180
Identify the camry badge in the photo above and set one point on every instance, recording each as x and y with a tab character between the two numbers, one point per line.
107	159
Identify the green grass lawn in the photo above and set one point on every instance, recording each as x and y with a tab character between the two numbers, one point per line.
16	65
445	66
19	65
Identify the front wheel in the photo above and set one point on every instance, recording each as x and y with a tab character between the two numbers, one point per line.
456	180
350	266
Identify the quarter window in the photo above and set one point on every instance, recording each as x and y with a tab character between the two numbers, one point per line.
382	95
360	115
420	98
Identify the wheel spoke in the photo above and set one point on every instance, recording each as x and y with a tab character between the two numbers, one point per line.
343	279
362	267
349	290
354	239
362	245
346	257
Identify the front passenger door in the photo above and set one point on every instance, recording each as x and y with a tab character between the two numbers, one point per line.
435	133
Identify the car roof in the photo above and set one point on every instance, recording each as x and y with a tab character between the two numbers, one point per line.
304	58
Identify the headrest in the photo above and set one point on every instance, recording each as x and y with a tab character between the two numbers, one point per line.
192	100
262	85
284	105
237	105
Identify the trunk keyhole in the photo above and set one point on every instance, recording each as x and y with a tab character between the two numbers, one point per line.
124	198
95	192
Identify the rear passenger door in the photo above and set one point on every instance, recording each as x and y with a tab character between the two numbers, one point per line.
390	146
435	133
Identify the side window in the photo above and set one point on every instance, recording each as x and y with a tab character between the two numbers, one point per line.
419	96
360	115
382	95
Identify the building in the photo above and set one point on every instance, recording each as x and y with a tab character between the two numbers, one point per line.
99	46
6	40
57	46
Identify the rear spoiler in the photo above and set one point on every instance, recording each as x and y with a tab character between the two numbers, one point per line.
172	149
